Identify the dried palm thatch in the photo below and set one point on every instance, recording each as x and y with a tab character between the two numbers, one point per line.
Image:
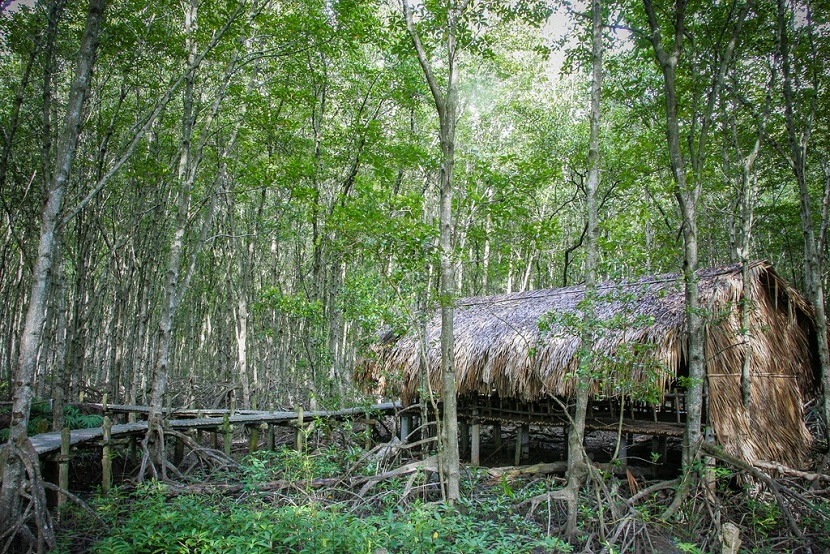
524	346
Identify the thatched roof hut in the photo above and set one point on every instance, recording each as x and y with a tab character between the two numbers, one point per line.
639	352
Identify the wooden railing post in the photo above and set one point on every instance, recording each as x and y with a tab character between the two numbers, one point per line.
253	441
226	430
271	438
299	432
106	458
63	465
199	433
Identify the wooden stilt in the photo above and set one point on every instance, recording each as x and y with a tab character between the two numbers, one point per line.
226	429
476	440
133	449
63	465
299	433
271	438
464	442
370	430
253	441
199	433
497	435
178	453
517	457
106	457
525	442
406	426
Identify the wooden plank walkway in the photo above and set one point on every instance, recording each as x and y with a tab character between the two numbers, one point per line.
46	443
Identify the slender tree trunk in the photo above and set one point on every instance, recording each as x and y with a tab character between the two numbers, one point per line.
12	487
687	192
446	104
798	141
577	459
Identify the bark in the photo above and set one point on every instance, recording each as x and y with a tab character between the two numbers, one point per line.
577	458
13	469
799	137
687	192
446	104
176	283
747	192
154	440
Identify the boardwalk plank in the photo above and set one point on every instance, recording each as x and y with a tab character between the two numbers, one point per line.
46	443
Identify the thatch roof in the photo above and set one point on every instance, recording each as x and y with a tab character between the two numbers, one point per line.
639	351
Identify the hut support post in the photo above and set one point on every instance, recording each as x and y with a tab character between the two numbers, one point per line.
406	426
63	465
271	438
476	440
464	430
106	457
659	448
522	443
497	436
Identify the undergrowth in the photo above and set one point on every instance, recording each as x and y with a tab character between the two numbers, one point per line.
327	502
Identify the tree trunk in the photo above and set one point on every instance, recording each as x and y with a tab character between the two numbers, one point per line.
446	104
798	142
687	192
577	459
13	471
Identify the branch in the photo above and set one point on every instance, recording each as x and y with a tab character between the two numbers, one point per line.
148	123
440	101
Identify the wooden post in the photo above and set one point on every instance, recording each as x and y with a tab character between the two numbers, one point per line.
178	452
63	465
517	455
476	440
464	442
133	448
299	433
406	426
522	443
233	403
106	458
253	441
271	438
199	433
226	429
497	436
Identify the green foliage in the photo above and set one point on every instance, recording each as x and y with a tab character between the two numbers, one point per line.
148	521
40	419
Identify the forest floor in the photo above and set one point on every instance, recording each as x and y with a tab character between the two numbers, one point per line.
338	497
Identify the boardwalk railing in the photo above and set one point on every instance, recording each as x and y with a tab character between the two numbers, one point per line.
54	448
46	443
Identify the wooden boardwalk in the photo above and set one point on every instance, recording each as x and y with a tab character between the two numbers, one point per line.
47	443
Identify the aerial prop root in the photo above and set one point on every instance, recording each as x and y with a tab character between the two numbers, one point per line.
32	490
